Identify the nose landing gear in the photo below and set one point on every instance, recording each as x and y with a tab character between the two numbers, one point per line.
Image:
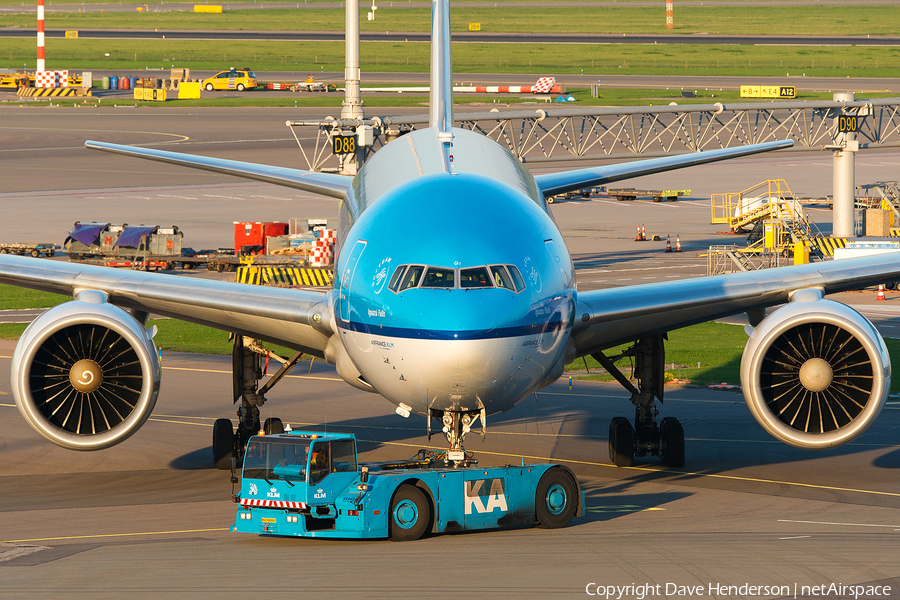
455	426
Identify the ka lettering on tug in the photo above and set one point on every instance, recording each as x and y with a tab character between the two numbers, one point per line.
452	332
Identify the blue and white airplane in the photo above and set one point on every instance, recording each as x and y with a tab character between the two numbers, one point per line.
447	325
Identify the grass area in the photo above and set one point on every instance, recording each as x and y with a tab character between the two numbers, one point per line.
17	298
469	103
531	59
716	347
306	3
821	19
173	335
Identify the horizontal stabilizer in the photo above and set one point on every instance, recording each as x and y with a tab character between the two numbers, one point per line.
551	184
327	184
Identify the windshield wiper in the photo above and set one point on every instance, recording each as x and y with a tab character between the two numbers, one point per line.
257	476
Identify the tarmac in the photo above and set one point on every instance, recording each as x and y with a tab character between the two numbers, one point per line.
149	517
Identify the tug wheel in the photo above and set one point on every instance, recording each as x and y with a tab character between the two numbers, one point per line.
556	499
410	514
223	444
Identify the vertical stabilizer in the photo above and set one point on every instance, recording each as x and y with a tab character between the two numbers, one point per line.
441	101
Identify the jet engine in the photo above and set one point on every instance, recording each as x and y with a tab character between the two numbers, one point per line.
815	373
85	374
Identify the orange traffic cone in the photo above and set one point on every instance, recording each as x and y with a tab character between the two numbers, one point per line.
668	243
677	243
643	233
880	295
637	236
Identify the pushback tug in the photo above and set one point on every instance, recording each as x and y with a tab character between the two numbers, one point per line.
302	483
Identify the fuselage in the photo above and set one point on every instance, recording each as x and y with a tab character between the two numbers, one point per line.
454	289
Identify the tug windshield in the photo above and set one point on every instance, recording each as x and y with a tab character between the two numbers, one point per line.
276	459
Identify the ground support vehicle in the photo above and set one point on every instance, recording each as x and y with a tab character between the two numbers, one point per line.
34	250
309	484
310	85
233	79
13	81
622	194
122	243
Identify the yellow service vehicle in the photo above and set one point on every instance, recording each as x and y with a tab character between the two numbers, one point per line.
13	80
233	79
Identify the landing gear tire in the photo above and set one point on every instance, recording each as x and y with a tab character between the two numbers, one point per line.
556	499
410	514
621	442
671	434
273	426
223	444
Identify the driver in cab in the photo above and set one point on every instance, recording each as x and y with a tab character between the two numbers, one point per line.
318	464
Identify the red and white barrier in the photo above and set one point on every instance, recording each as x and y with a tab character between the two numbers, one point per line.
40	37
51	79
322	254
544	85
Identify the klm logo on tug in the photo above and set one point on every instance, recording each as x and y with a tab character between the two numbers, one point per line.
485	496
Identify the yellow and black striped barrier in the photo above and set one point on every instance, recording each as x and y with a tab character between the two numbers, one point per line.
30	92
285	276
895	232
827	245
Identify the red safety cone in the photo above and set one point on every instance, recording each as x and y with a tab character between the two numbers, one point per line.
668	243
880	295
637	236
643	233
677	243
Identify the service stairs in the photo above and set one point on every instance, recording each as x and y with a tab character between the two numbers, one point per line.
768	202
889	193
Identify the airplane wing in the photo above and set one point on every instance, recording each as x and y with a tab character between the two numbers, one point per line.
281	316
551	184
327	184
606	318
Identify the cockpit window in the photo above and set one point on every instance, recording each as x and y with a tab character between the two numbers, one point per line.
438	278
501	277
506	277
517	278
474	278
394	285
413	276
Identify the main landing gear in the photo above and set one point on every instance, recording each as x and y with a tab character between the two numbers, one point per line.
247	369
666	439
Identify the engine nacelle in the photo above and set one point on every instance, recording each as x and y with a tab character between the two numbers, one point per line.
815	374
85	374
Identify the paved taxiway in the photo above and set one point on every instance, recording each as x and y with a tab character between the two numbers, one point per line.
148	517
